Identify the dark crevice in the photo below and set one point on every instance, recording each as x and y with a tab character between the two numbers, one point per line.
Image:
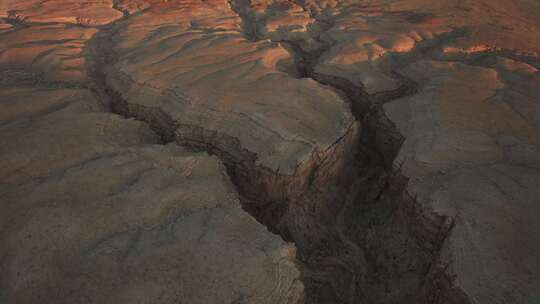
383	189
251	26
360	237
117	6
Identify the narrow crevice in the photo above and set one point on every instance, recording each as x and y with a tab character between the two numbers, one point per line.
379	145
251	25
360	237
117	6
271	188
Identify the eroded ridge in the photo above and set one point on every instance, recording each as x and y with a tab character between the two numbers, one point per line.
275	139
95	208
395	144
311	206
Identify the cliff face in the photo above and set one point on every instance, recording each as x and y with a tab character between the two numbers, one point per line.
269	152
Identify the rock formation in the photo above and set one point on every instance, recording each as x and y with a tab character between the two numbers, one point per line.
253	151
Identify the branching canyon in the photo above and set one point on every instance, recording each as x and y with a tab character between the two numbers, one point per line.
254	151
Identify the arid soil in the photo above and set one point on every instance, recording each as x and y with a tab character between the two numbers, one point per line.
301	151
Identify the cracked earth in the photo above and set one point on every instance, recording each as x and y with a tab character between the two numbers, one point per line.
309	151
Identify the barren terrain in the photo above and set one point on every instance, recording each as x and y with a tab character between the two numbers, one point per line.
257	151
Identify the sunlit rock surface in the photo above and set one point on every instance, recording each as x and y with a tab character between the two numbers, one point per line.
194	64
86	13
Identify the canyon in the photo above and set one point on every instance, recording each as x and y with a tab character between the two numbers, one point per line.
256	151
